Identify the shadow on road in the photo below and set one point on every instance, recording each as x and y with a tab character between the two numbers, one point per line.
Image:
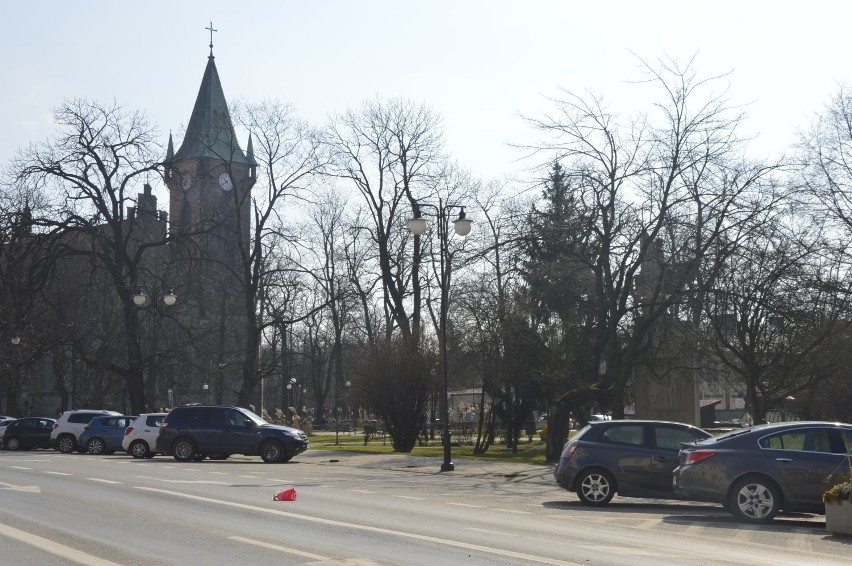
687	513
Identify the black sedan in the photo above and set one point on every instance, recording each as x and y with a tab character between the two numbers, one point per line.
28	433
757	472
629	457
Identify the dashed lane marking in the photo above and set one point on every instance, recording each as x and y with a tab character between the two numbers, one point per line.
54	547
100	480
58	473
280	548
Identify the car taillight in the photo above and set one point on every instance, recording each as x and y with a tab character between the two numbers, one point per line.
55	425
569	450
128	430
698	456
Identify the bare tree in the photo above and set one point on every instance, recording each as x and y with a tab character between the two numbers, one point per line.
390	152
631	181
777	303
289	154
88	171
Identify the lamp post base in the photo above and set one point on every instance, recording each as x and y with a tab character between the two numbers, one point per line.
447	467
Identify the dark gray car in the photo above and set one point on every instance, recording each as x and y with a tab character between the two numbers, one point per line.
756	472
629	457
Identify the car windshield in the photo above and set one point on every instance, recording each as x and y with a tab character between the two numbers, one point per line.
257	420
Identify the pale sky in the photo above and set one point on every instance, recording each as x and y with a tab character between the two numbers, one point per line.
478	63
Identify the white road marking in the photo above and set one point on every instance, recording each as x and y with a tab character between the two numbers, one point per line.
355	526
249	477
280	548
58	473
410	497
361	491
219	473
103	481
202	482
24	488
464	505
19	467
54	547
517	511
483	531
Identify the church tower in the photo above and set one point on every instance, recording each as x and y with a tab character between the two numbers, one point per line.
210	180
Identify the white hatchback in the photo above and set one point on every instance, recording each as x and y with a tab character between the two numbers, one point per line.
140	437
70	424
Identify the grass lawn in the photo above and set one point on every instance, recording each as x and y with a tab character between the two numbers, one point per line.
527	453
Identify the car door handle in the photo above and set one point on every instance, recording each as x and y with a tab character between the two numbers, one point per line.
783	459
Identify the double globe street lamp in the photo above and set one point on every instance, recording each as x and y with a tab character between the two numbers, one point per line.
144	301
461	226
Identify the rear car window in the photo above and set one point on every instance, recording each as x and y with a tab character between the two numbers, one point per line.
808	440
153	420
624	434
81	418
847	440
671	437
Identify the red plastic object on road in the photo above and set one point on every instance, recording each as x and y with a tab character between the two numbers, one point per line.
285	495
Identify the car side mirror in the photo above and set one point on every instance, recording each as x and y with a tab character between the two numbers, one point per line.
248	423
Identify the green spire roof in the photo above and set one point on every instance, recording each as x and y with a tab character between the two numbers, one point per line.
210	132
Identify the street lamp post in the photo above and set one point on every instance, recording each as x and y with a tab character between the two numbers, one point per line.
204	389
462	226
143	301
348	384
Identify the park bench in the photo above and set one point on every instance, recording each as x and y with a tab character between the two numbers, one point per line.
372	430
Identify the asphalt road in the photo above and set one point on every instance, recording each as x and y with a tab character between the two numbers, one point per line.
361	510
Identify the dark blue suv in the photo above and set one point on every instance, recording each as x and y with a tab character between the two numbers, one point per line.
193	432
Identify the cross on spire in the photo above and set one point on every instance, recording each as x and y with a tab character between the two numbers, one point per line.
211	37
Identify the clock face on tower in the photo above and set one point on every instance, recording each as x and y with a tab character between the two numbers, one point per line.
185	182
225	182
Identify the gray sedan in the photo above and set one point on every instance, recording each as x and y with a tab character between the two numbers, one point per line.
757	472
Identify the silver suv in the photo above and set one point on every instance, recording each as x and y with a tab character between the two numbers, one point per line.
70	424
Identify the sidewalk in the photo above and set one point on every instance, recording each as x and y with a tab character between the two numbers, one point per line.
430	465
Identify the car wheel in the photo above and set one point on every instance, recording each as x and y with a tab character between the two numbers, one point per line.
755	500
66	444
183	450
95	446
595	487
139	449
272	452
13	444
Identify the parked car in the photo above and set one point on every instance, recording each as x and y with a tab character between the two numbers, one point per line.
103	435
195	431
70	425
27	433
756	472
630	457
140	437
4	421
